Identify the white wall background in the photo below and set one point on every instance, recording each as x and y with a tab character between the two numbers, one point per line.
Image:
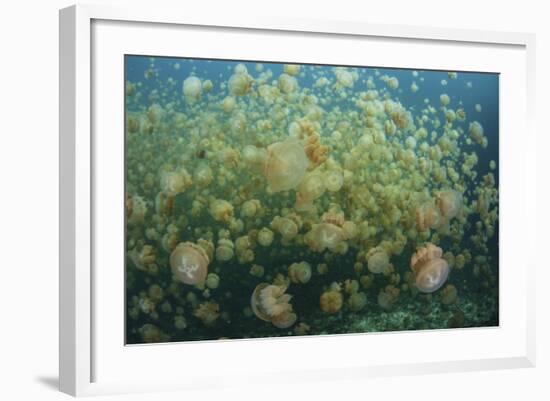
29	197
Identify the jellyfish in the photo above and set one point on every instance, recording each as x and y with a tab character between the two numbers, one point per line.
388	297
192	88
299	272
311	188
334	180
428	216
285	226
331	301
287	83
285	165
265	237
344	78
291	69
324	235
189	263
393	83
430	268
378	260
221	210
175	182
250	208
240	84
225	250
449	203
270	303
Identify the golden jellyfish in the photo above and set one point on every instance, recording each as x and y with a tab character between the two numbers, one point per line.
221	210
428	216
207	85
476	132
143	258
357	301
311	188
240	84
256	270
285	165
228	104
378	260
333	216
203	175
331	301
287	83
270	303
208	313
212	281
225	250
189	263
393	83
449	203
254	157
449	294
136	209
192	88
265	237
175	182
351	230
285	226
299	272
334	180
344	78
388	297
444	99
430	268
250	208
323	236
164	204
291	69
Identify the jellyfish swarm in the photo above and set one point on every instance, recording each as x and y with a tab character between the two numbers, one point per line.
189	263
285	165
430	268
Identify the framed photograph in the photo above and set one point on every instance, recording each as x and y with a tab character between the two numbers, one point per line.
274	198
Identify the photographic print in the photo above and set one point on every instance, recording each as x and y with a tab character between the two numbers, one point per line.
267	199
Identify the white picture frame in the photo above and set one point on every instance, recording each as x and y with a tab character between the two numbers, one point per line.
85	355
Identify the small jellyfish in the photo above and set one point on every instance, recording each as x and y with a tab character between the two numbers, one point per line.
444	99
270	303
240	84
299	272
311	188
378	260
323	236
334	180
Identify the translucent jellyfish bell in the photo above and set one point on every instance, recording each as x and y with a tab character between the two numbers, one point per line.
192	88
189	263
430	268
449	202
285	165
